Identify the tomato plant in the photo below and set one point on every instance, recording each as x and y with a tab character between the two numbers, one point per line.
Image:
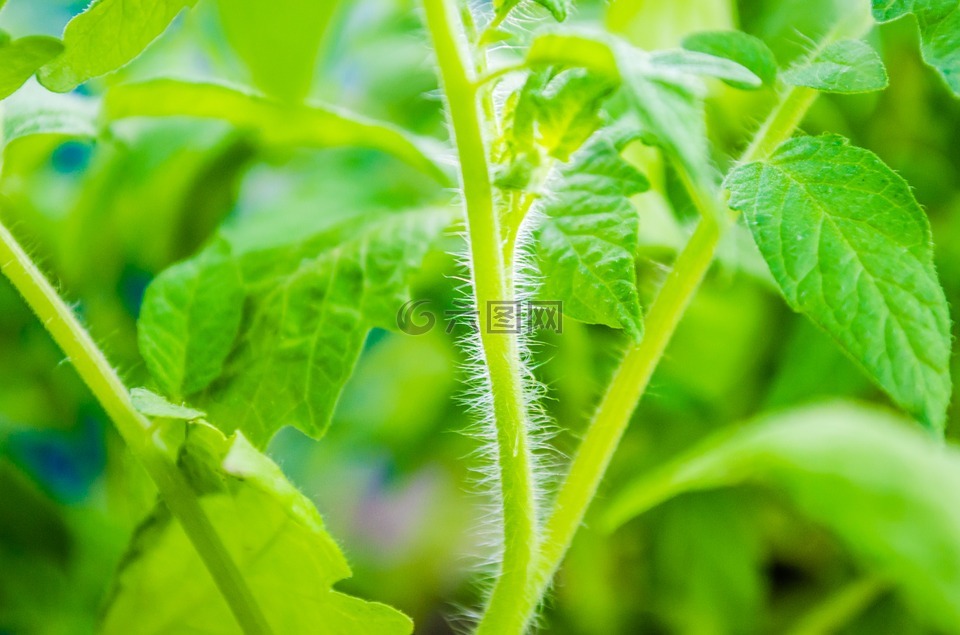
287	248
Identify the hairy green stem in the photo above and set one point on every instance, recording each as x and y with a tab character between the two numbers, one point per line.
793	105
632	378
501	351
135	429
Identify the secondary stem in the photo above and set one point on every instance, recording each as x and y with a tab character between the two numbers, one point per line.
136	430
501	351
627	387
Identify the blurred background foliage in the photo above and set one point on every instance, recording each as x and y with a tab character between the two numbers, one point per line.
393	477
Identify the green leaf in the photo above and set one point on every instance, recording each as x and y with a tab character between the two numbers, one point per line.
705	65
568	110
574	50
35	111
886	10
939	22
151	404
308	306
20	59
875	482
666	95
274	534
554	112
851	248
279	41
587	241
662	91
559	9
190	318
515	153
275	122
746	50
107	35
848	66
669	108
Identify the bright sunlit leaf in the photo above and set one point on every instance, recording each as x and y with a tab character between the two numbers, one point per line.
851	249
849	66
129	26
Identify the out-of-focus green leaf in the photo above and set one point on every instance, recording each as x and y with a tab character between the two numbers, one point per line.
275	122
707	559
278	41
559	9
20	59
30	522
152	199
868	477
665	93
939	22
744	49
54	559
587	242
190	318
107	35
34	111
848	66
669	108
811	369
309	304
653	25
574	49
851	248
151	404
274	534
704	65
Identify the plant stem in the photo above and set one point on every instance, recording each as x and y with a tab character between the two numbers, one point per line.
787	116
135	429
501	351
